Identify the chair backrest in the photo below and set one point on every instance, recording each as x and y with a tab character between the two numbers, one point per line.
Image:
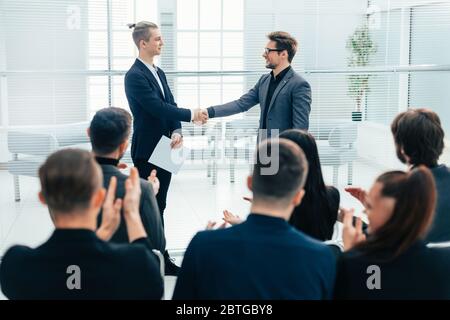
31	143
338	132
41	141
343	135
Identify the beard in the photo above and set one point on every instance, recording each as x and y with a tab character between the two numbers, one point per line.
270	66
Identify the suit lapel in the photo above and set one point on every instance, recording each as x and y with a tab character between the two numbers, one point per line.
280	87
150	76
166	88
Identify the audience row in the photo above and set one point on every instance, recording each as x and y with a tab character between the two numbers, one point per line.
104	241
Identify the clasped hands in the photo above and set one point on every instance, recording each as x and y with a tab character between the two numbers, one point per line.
200	116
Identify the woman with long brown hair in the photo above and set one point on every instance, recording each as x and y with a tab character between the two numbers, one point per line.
393	261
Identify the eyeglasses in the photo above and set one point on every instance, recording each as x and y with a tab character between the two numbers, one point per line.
268	50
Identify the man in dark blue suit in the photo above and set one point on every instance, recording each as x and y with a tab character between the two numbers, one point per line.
155	113
263	257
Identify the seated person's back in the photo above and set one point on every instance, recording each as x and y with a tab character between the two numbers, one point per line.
77	262
263	257
106	271
419	273
109	132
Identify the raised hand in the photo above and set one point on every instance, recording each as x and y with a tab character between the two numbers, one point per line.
358	193
211	225
110	212
131	201
230	218
351	235
154	181
132	196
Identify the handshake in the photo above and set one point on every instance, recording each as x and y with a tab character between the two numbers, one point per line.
200	116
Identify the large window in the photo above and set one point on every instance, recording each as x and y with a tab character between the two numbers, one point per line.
210	37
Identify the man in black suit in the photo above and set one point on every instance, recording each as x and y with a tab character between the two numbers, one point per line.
77	262
109	132
153	106
263	257
155	113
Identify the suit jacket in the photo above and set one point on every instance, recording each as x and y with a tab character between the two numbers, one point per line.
107	271
154	115
418	273
289	108
440	229
148	209
261	258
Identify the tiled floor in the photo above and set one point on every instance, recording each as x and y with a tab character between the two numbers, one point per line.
192	201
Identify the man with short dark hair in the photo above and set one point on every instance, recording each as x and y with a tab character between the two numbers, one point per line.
419	140
77	262
283	95
109	132
263	257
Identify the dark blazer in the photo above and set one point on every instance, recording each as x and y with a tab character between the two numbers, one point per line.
107	271
317	219
148	208
419	273
154	115
440	229
289	108
261	258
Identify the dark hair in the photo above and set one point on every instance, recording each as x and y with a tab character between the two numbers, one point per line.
69	178
419	133
109	128
284	41
142	31
415	199
287	179
315	215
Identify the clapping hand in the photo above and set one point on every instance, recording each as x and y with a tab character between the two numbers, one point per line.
230	218
358	193
110	212
351	235
211	225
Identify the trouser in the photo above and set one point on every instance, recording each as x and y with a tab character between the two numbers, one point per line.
164	177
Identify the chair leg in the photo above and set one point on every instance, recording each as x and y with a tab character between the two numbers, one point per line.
232	171
232	163
214	173
350	173
208	169
16	188
335	175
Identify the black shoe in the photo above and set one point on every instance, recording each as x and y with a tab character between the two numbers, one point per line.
171	269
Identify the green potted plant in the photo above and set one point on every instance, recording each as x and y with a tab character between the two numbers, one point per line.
361	47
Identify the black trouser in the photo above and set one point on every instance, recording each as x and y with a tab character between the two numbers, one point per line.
164	177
